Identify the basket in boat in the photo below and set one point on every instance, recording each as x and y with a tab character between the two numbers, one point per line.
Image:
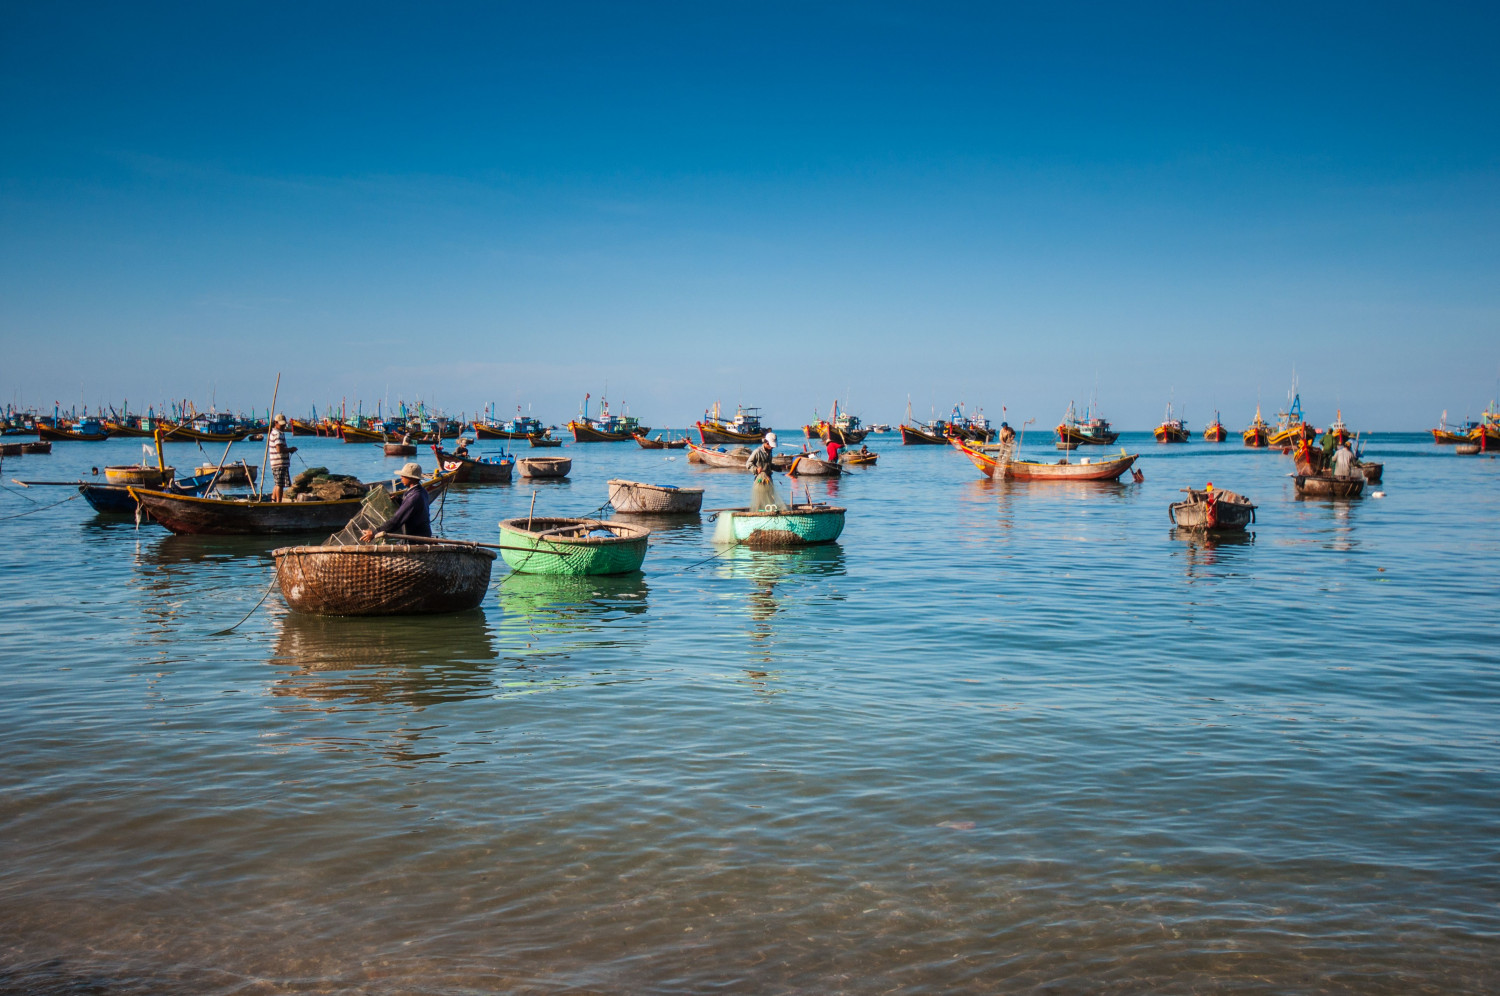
544	466
633	496
231	473
146	477
572	546
772	528
1227	510
383	579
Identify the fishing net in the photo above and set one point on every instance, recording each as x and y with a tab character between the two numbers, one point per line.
375	509
765	495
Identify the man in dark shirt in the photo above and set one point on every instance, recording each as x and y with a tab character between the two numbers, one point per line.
411	518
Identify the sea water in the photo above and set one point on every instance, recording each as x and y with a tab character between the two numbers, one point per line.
999	738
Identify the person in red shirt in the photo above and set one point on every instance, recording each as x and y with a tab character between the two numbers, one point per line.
833	450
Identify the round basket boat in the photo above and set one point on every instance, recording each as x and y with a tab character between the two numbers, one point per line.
544	466
572	546
633	496
1466	449
383	580
775	529
146	477
400	449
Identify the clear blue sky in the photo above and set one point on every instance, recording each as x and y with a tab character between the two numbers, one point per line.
768	203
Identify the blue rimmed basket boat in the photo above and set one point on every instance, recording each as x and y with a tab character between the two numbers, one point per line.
774	528
572	546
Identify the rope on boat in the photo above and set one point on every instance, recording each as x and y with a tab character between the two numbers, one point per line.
44	508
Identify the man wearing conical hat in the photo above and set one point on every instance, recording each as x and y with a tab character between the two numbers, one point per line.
411	518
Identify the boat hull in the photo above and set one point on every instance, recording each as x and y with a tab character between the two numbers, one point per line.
1256	437
467	470
1227	512
380	580
997	465
49	433
353	434
1215	433
527	547
811	466
585	433
243	517
121	429
714	435
913	436
781	529
1069	434
713	458
661	444
654	499
1171	434
1321	486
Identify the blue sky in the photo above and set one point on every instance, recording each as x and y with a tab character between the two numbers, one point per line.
770	203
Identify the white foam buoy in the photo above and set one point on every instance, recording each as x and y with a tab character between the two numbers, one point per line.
1377	494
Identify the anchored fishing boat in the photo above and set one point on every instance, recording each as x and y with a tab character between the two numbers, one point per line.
520	427
88	430
1003	464
1211	511
572	546
1444	436
606	428
116	499
745	427
1172	429
661	442
370	432
400	449
971	427
732	460
1487	432
1337	430
773	528
383	579
839	425
469	469
1290	426
1090	430
914	433
1216	433
1258	434
661	499
543	442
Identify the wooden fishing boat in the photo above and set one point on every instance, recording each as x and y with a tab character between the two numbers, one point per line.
807	465
1487	432
811	431
779	528
1216	433
216	429
1337	430
355	434
146	477
1328	486
633	496
572	546
732	460
854	458
1290	426
971	427
1090	430
583	432
1067	444
1088	469
605	428
87	431
545	467
543	442
931	434
127	428
840	426
1172	429
1211	511
469	469
715	430
400	449
37	449
117	499
254	516
302	427
383	579
1258	434
647	443
236	474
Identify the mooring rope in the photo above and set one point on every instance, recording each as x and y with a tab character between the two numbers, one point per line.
44	508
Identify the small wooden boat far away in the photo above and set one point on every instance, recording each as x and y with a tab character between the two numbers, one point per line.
1216	433
470	469
545	467
1088	469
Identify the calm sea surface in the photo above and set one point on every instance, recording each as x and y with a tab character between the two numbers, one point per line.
1000	738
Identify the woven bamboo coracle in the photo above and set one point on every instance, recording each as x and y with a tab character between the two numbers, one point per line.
375	580
633	496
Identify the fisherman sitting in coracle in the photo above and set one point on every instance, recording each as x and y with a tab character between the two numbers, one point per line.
411	518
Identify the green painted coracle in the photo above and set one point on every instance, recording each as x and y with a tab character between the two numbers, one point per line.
572	546
770	528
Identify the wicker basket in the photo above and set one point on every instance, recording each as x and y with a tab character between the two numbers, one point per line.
378	580
632	496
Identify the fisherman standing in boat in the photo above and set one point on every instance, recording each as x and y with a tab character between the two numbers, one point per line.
281	457
1343	460
411	518
760	461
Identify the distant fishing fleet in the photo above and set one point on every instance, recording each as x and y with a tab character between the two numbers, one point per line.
362	570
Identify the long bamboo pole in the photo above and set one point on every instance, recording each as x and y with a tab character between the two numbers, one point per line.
270	427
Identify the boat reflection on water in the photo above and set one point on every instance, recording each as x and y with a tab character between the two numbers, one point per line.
171	549
411	660
1204	549
765	569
